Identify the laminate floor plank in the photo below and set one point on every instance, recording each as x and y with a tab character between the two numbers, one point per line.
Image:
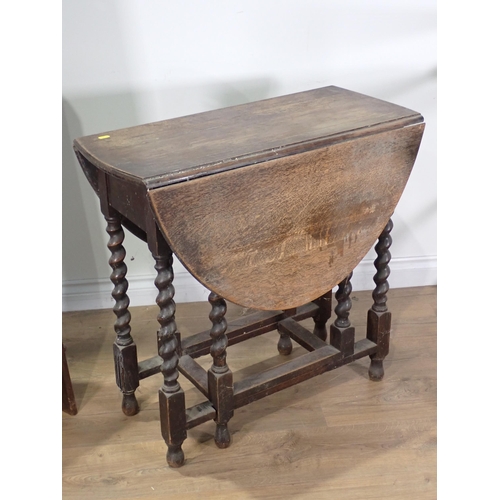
337	435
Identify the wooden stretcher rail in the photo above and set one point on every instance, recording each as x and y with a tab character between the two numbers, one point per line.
150	366
194	373
300	334
199	414
362	348
275	379
245	328
285	375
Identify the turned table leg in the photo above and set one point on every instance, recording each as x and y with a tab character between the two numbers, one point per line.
325	311
220	377
379	317
171	396
341	332
124	348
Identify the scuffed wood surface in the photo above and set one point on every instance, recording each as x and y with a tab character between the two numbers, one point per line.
204	143
279	234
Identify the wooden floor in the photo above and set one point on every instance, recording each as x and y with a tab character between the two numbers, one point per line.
338	435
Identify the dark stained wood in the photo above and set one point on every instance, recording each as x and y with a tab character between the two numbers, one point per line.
290	373
127	376
362	348
379	318
220	377
149	367
124	348
285	345
199	414
206	143
334	138
68	395
194	373
341	332
167	338
173	424
325	312
128	198
171	396
199	344
306	311
266	221
379	329
383	270
244	328
91	172
134	229
268	205
300	334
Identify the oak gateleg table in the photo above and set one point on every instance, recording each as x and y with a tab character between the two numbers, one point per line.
269	205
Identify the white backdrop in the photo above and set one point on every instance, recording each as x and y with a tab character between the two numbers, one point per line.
127	62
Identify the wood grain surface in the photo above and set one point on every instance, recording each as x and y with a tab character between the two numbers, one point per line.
281	233
187	147
338	435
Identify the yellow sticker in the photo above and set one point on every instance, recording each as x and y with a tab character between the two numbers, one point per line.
104	137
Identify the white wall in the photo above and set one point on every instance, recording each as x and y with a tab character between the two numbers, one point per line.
127	62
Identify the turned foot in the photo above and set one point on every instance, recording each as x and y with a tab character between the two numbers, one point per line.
376	370
175	456
378	327
285	346
222	436
130	406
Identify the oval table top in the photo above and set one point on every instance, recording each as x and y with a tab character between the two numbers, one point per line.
269	204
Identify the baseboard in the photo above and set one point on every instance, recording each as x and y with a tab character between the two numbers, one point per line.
85	295
405	272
